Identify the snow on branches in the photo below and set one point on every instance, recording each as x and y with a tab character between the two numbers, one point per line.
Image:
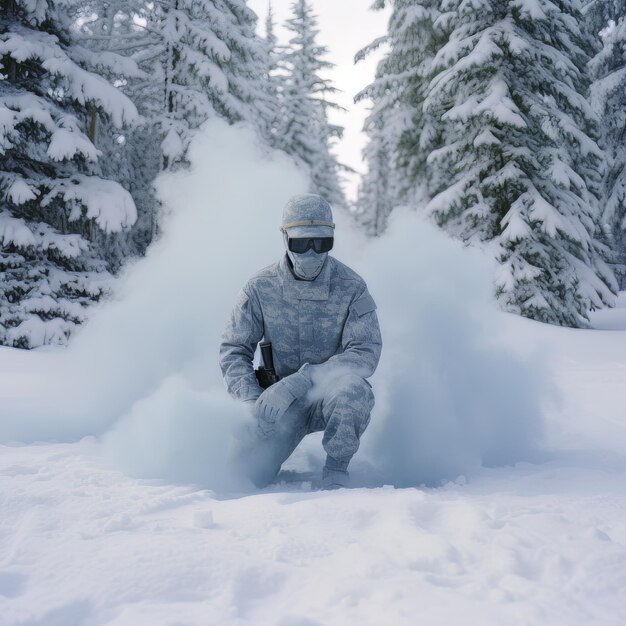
54	201
493	137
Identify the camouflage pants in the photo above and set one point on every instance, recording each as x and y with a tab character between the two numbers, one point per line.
342	411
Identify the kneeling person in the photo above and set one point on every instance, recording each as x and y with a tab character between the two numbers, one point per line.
322	323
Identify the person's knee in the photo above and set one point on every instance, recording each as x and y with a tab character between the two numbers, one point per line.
348	406
355	390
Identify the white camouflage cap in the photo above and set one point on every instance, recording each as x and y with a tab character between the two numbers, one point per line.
308	215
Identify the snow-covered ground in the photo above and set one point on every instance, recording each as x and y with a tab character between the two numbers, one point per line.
540	543
108	526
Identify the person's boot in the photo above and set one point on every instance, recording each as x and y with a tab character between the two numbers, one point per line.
334	478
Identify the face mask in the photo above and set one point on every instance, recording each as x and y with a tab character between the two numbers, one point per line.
308	264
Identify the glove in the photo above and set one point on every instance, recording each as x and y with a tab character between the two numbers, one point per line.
275	400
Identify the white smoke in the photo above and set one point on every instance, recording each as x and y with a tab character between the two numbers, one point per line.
450	399
143	373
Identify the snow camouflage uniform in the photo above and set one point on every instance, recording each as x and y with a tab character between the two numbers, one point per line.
326	342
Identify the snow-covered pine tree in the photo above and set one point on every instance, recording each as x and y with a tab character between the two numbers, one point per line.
247	71
374	200
394	157
608	97
376	193
274	77
113	30
512	157
53	202
196	59
213	64
271	44
305	132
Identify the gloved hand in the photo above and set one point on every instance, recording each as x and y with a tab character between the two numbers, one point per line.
275	400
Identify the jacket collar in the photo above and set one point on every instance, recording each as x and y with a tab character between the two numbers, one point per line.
294	289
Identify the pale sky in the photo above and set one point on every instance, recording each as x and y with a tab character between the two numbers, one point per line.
345	26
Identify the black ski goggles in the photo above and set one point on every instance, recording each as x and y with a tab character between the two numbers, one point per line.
302	244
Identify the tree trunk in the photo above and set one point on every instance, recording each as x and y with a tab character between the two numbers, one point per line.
93	124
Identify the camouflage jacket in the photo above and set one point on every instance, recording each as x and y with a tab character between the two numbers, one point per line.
330	320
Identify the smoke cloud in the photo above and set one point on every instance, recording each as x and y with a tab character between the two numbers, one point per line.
143	374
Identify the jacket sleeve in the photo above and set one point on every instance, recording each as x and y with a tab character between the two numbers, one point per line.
243	332
361	340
